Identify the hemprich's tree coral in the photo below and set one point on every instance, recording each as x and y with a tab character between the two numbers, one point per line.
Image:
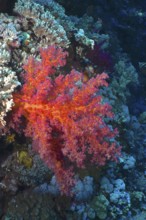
64	116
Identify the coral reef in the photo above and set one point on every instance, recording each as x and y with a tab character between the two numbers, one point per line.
65	116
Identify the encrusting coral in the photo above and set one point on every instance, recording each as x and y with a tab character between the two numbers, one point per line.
64	116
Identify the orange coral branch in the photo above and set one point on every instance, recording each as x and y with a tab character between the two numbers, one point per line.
65	116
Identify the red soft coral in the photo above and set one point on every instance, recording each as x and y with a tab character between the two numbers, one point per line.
65	116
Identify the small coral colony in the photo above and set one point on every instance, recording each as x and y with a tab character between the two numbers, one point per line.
57	89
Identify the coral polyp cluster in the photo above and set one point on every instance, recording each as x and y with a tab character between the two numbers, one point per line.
56	110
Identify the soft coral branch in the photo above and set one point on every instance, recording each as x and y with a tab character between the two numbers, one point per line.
65	116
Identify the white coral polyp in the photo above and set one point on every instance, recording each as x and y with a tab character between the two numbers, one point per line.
8	82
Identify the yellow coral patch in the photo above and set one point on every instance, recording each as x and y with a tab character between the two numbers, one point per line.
25	159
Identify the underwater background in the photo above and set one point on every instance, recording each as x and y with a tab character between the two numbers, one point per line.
72	110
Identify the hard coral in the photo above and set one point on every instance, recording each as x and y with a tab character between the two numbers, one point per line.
64	116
